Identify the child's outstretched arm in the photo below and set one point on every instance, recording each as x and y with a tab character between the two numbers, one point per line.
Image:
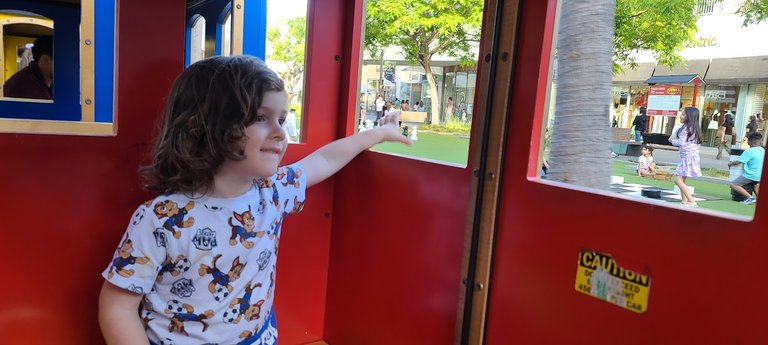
330	158
119	316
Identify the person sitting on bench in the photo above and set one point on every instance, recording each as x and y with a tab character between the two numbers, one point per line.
752	159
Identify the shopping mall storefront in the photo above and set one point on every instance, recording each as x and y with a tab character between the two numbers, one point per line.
738	86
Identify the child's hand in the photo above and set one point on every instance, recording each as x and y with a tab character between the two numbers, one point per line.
390	129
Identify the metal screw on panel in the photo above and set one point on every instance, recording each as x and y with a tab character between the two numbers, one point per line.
337	57
326	214
491	176
88	42
479	286
488	57
239	6
88	101
504	56
476	172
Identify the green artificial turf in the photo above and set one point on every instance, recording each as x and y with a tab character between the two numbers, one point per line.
433	146
720	190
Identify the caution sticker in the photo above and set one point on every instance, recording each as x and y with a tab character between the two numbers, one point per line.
599	276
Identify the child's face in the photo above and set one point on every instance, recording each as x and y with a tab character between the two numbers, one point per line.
645	151
265	141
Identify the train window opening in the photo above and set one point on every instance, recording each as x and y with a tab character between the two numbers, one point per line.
421	59
680	124
27	73
197	39
77	96
226	35
286	37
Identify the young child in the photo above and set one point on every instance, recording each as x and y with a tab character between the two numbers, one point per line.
645	163
752	159
688	138
200	258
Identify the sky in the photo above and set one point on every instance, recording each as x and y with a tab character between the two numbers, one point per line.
279	10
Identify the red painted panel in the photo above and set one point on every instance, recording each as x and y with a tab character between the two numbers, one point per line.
67	199
704	285
398	232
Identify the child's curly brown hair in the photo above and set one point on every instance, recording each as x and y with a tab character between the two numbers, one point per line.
209	106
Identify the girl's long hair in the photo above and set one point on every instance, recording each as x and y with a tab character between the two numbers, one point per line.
209	107
691	125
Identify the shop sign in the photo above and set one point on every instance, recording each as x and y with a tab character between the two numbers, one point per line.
599	276
664	99
720	96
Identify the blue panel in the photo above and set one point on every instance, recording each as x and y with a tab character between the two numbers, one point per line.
255	28
66	86
219	26
104	13
188	38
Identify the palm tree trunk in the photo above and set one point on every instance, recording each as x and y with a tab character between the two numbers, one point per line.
434	113
580	145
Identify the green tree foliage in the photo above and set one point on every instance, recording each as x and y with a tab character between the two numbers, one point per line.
422	29
754	11
288	42
662	27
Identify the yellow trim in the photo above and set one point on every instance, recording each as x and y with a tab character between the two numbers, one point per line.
56	127
87	56
22	19
238	10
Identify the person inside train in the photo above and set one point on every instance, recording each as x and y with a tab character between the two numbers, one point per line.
36	80
752	159
200	258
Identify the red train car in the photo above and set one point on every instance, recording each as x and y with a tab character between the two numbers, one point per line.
485	253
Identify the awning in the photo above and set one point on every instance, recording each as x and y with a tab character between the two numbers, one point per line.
738	70
676	79
690	67
638	75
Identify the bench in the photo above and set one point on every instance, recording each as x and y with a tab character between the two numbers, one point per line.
622	144
413	116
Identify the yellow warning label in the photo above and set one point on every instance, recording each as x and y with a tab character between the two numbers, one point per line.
599	276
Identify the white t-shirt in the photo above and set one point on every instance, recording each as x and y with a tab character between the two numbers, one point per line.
379	104
645	163
206	266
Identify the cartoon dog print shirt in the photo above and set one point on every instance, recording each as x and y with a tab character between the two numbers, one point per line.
206	266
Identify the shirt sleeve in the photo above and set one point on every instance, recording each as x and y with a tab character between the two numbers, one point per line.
139	254
746	156
291	183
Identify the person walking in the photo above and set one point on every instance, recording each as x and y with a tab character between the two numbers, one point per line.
640	123
725	134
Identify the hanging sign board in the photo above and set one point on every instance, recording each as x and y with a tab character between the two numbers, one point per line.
598	275
664	99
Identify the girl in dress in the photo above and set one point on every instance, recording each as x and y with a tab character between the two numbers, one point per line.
688	139
645	164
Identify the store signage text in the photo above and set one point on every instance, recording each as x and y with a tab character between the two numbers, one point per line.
702	42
